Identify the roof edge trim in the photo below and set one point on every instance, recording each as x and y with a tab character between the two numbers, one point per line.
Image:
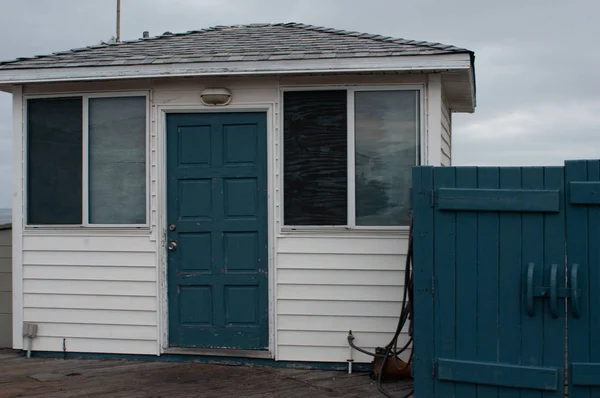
438	62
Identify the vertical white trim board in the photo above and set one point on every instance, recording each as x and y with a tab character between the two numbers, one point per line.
434	120
17	227
161	141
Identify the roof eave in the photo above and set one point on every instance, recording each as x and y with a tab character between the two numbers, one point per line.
435	62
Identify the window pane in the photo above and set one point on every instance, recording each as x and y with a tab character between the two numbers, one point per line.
315	158
117	162
54	153
386	128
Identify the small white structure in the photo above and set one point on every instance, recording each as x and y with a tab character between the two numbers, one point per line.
239	190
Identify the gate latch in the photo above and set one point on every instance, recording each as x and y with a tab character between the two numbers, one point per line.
552	292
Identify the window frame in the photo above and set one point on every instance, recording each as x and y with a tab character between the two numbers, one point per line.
420	152
85	97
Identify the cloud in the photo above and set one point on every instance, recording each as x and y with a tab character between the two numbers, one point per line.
544	134
536	60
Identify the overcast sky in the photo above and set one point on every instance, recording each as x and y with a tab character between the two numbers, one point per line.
537	61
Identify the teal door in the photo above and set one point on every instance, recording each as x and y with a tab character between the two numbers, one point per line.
217	230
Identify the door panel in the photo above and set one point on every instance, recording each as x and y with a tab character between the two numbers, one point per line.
217	213
583	266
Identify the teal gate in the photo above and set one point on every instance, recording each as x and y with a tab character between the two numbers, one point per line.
494	293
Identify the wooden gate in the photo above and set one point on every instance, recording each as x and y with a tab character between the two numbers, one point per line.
491	280
583	266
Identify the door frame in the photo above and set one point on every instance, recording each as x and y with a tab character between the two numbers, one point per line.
159	134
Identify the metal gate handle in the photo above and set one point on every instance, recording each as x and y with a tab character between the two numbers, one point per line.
554	291
529	292
575	290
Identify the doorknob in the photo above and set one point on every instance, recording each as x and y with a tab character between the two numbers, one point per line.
172	245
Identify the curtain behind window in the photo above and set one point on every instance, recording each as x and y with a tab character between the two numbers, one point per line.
117	160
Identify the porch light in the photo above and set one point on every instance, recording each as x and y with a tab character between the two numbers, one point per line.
215	96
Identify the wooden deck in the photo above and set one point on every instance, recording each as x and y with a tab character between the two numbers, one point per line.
53	378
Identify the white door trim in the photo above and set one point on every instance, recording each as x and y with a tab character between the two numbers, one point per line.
160	131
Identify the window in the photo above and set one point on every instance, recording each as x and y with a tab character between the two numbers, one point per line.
355	174
54	161
316	161
86	172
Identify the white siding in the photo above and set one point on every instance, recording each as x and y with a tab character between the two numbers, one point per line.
446	133
329	285
105	290
5	287
92	293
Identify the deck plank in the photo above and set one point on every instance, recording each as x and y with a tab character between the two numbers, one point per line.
59	378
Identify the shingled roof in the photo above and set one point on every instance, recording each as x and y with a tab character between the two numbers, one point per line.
256	42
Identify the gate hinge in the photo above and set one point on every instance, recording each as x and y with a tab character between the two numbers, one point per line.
433	285
433	369
432	198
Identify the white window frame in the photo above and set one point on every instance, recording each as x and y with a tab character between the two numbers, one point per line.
85	97
351	149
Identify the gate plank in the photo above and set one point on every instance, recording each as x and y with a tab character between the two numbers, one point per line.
532	348
487	282
466	281
509	317
593	173
577	249
554	254
445	274
584	193
518	200
422	279
492	374
585	374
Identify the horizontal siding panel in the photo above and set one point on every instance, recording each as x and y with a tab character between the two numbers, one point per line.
350	245
338	308
339	277
90	302
102	288
6	237
89	243
91	258
5	252
68	272
336	339
124	332
190	96
5	265
5	331
60	315
337	323
5	302
445	108
352	79
109	346
446	160
374	262
343	293
5	282
446	144
321	354
197	84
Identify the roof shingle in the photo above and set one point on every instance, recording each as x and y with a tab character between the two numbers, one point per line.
260	42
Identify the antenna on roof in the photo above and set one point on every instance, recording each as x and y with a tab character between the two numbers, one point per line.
118	39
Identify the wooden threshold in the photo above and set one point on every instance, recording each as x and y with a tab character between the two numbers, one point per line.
219	352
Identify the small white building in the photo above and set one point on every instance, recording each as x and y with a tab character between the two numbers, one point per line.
240	190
